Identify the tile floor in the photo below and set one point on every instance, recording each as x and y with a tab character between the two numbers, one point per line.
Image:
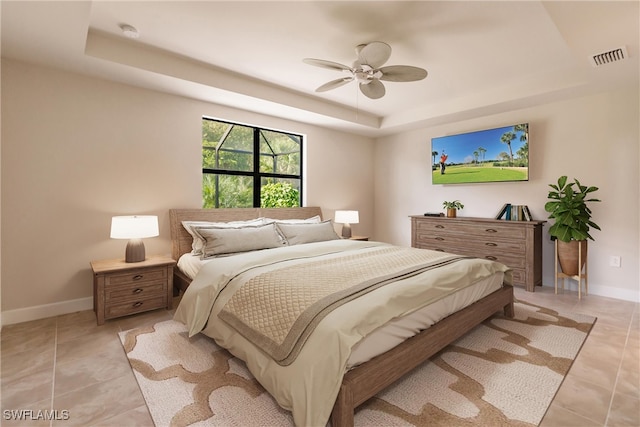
67	363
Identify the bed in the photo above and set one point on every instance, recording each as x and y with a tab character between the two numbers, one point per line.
351	373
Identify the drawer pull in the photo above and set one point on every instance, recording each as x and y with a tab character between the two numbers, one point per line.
439	226
440	238
138	277
491	230
137	290
491	257
439	250
491	244
137	304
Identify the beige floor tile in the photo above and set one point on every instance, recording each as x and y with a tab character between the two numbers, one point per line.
76	325
597	364
98	402
30	415
24	391
584	398
39	339
625	411
16	365
81	372
557	416
102	341
138	417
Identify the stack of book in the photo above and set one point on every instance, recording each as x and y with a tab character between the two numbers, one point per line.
514	213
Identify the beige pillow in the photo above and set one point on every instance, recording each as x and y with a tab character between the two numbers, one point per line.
296	234
198	242
226	240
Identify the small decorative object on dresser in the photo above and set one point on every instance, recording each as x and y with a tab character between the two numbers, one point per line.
452	207
516	244
121	288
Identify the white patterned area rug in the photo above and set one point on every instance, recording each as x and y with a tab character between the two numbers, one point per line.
503	372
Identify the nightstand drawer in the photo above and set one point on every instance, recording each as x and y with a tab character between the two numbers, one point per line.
136	290
121	288
134	276
135	306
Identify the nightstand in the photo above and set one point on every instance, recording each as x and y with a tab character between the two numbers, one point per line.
121	288
359	238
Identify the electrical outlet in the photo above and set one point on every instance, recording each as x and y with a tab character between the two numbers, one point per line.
614	261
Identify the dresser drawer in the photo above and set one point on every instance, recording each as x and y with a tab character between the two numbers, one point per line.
136	290
477	244
510	260
467	230
135	276
135	306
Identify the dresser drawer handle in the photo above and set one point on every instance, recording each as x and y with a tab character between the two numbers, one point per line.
137	290
138	277
491	230
440	238
491	244
439	226
137	304
492	258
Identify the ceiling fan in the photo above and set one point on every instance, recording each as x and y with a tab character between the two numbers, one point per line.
367	70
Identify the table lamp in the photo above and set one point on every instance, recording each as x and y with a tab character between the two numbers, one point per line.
134	228
346	218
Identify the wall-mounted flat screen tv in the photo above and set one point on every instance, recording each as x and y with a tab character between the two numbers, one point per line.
491	155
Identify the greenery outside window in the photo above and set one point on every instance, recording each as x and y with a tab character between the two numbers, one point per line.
247	166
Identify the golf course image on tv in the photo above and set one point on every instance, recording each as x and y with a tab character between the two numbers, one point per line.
491	155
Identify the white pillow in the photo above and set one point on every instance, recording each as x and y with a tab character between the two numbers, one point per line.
297	234
227	240
312	220
198	242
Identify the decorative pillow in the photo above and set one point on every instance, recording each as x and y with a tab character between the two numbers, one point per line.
226	240
297	234
198	242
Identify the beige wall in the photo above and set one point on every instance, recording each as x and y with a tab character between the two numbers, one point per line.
78	150
594	139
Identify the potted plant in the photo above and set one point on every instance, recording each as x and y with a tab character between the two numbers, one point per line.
452	207
567	205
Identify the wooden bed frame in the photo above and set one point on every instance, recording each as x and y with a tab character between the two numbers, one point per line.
366	380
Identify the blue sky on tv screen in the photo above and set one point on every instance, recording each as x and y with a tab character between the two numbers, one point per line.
460	147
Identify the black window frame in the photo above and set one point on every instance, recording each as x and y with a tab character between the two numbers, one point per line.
256	174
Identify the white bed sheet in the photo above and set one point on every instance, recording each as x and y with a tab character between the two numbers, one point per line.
398	330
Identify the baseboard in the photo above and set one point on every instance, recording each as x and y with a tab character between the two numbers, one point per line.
601	291
27	314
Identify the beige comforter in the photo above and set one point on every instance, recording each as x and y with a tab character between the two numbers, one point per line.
309	385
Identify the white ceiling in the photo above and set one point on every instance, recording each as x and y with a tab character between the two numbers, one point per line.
482	57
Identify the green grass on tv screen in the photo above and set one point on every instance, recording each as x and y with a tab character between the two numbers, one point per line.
458	174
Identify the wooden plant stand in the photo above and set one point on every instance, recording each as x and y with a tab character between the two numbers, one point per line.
579	277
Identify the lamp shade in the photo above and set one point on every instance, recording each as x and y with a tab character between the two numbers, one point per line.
347	217
134	226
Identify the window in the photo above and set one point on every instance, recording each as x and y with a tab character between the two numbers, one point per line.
245	166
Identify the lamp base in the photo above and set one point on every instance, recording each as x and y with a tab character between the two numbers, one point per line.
346	231
135	251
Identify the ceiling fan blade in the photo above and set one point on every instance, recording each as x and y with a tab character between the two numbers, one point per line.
374	54
374	89
334	84
326	64
402	73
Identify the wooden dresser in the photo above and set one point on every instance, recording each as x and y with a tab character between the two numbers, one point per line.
121	288
517	244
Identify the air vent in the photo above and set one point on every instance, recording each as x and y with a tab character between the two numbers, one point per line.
609	57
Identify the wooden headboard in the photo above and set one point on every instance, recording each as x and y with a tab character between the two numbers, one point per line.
181	240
